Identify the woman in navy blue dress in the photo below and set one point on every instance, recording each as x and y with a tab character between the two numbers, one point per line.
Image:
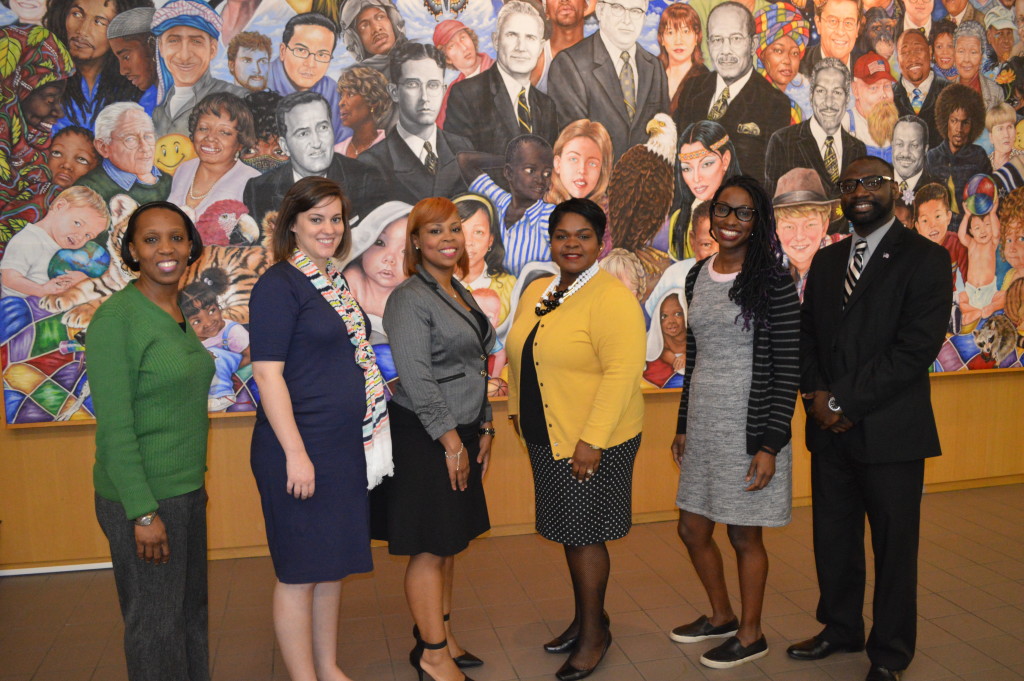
321	436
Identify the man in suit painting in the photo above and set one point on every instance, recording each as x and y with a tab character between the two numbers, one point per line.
909	144
918	88
500	103
609	77
819	143
740	99
873	319
839	23
307	136
418	156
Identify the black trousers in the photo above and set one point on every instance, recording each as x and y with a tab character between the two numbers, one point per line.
889	494
166	622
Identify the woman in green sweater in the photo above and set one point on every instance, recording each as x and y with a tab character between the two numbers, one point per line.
149	376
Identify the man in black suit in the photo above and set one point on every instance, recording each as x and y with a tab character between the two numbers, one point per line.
493	107
608	77
740	99
812	143
307	136
918	89
873	319
418	156
909	144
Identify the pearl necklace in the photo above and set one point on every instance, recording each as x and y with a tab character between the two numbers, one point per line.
553	298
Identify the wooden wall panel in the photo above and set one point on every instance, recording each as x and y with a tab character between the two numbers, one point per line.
46	499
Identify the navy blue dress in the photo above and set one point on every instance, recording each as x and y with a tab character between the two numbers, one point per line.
326	537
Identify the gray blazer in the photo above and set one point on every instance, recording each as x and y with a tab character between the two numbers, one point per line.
440	354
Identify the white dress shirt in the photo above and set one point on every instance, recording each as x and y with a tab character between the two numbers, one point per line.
513	86
819	137
616	54
734	88
416	143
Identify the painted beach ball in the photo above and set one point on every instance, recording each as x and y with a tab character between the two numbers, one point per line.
979	194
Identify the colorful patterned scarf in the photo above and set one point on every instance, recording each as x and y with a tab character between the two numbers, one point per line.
193	13
376	427
774	22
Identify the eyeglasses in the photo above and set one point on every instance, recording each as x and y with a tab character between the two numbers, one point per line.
722	210
413	84
301	52
871	183
618	11
736	40
848	24
132	142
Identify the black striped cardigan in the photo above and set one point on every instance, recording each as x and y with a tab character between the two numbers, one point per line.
775	379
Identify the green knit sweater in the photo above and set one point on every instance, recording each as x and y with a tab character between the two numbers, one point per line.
149	382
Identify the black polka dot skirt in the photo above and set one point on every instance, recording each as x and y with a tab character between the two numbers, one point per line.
580	513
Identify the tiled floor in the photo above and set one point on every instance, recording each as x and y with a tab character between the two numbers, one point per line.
512	593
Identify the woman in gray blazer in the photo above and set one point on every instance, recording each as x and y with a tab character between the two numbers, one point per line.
440	427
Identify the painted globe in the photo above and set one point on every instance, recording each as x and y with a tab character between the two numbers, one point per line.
91	258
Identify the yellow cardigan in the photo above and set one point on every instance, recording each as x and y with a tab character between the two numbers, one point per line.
590	356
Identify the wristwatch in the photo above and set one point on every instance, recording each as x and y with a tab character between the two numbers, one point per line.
145	520
833	405
487	431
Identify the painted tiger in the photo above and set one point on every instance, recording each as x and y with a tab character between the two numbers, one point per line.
244	265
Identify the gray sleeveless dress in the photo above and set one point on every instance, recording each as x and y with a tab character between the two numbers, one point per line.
715	462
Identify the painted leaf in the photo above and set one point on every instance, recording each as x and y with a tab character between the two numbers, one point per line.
5	169
69	64
10	54
37	35
15	129
47	78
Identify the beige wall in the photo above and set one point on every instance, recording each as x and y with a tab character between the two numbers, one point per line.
46	504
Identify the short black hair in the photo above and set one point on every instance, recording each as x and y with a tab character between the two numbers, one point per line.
879	159
410	51
914	120
194	252
263	106
514	144
293	100
308	19
585	208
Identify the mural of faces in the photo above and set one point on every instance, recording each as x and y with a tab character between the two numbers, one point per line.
565	13
914	57
730	43
132	147
621	21
477	231
838	25
251	67
529	174
384	261
71	156
86	25
782	61
828	99
679	42
703	245
216	139
944	52
42	108
135	61
908	149
967	55
375	30
309	138
519	42
419	93
933	220
187	52
800	236
461	53
29	11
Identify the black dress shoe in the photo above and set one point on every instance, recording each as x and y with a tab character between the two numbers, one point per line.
818	648
883	674
566	644
570	673
467	660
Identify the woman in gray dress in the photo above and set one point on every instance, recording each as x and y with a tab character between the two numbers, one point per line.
733	433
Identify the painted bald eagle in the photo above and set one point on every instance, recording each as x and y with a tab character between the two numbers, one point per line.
640	192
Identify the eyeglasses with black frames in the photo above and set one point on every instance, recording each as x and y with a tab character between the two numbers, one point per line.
743	213
871	183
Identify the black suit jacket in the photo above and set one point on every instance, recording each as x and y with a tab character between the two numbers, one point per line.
795	147
584	83
751	119
411	182
902	100
362	185
874	354
480	110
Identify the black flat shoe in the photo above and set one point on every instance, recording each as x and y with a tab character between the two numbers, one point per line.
818	648
570	673
732	653
559	645
416	658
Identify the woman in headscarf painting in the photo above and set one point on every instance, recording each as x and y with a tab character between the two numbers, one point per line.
782	36
31	87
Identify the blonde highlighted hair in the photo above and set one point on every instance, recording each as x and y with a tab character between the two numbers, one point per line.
803	211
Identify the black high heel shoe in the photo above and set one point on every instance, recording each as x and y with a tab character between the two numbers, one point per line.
416	657
464	661
570	673
560	644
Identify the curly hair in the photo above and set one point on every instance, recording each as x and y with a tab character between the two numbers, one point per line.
263	106
1011	212
372	86
956	96
250	40
762	265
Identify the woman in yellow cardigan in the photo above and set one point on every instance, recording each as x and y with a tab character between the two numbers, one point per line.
576	353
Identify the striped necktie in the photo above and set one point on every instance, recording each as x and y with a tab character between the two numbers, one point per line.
854	271
429	158
628	85
523	112
831	160
718	110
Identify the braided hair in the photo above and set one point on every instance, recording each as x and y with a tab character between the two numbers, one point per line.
762	266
